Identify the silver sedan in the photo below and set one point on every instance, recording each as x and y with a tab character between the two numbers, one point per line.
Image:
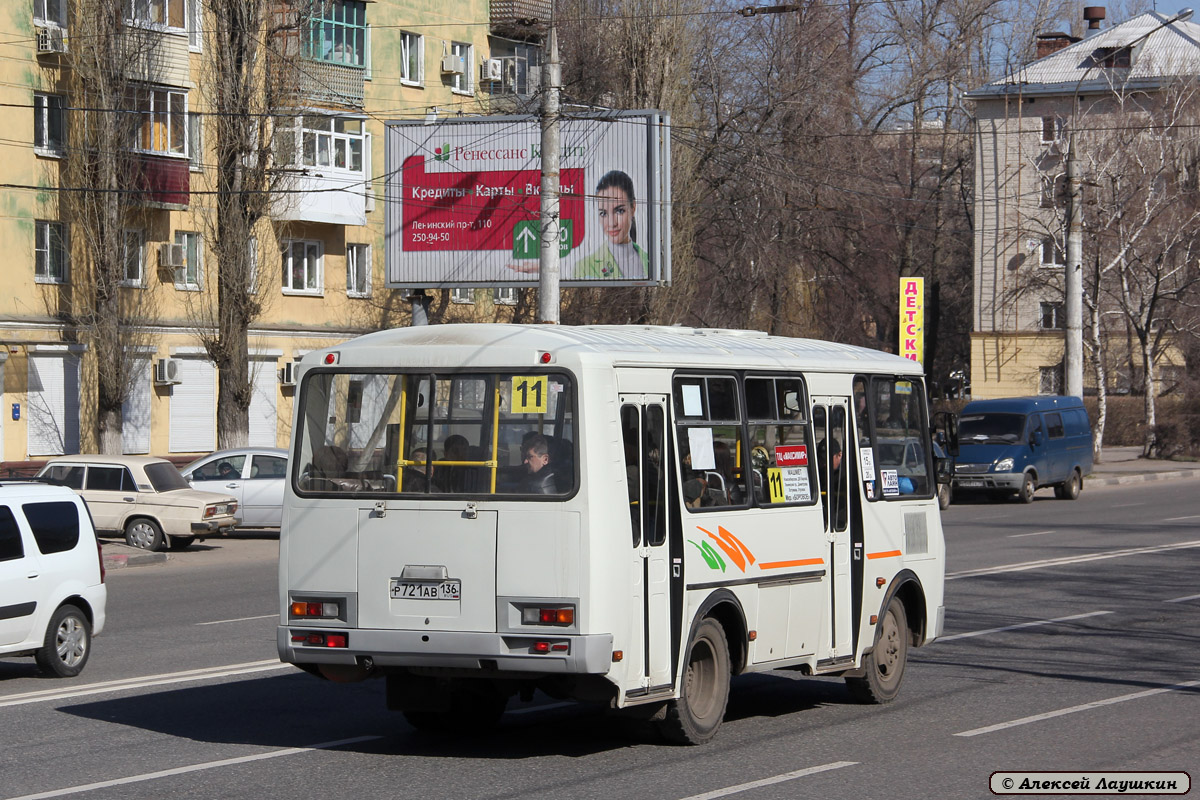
254	475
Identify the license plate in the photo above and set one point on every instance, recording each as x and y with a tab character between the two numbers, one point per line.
970	484
426	590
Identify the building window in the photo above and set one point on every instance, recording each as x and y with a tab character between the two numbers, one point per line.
463	55
1052	130
462	295
337	32
320	141
412	59
1113	57
1052	254
195	138
50	254
49	133
165	13
505	296
302	265
163	124
50	12
188	276
358	270
1050	379
1053	317
133	257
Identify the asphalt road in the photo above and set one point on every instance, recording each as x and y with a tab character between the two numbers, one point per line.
1071	645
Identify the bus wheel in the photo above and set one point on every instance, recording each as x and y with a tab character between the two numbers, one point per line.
696	715
884	665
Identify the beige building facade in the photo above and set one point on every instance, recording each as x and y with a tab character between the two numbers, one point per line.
318	260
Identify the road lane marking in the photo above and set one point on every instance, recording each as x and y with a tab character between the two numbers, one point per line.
142	682
743	787
1181	519
1184	599
1128	505
1055	562
1035	533
166	773
1033	624
239	619
1085	707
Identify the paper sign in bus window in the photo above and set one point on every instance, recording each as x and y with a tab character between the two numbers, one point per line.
891	482
789	484
791	455
692	405
700	440
529	394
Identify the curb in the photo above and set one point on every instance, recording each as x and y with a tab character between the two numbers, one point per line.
1141	477
118	561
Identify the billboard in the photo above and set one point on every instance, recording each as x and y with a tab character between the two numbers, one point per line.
463	201
912	318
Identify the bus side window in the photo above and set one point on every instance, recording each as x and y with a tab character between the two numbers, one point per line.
631	437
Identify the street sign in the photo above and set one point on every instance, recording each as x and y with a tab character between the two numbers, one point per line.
527	238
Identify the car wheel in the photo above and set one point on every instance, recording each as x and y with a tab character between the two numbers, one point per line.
182	542
884	665
144	534
696	715
1028	487
1070	490
945	495
65	650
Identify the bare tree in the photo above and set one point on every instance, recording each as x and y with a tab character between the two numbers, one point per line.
104	192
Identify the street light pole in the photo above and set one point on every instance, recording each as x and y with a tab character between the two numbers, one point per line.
548	258
1073	284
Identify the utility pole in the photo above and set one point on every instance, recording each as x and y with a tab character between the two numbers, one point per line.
548	261
1073	284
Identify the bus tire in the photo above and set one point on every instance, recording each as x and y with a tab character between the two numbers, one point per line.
884	665
704	692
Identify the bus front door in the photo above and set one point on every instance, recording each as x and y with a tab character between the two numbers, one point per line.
834	454
643	432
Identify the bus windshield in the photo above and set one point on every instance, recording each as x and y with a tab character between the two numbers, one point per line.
991	428
421	433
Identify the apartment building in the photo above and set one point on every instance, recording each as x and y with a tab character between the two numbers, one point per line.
317	259
1086	88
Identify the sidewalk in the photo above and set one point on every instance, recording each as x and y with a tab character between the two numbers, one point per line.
1125	465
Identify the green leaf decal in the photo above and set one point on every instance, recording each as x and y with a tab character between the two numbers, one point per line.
711	557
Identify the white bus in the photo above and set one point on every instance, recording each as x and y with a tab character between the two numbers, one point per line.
621	515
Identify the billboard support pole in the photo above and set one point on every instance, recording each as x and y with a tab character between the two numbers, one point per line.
420	307
548	260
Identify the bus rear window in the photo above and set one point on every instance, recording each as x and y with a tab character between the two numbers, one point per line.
497	433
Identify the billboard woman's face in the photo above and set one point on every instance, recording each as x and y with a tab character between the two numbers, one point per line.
616	214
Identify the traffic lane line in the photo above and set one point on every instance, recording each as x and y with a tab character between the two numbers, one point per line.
1035	533
1184	599
1067	560
1075	709
1018	626
239	619
787	776
207	765
47	695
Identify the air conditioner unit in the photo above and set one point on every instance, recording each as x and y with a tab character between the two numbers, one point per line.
167	371
170	255
287	375
453	63
51	40
491	70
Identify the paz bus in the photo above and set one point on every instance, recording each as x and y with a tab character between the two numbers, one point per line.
627	516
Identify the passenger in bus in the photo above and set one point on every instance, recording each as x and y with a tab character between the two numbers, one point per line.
453	478
539	478
419	477
723	489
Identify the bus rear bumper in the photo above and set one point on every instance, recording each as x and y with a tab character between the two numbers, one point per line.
548	654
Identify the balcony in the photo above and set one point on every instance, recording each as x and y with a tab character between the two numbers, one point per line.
324	83
334	199
511	17
165	180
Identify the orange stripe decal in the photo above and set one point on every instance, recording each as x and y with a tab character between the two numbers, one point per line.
731	545
800	562
885	554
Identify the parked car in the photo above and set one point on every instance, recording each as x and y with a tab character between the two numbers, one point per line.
253	475
1016	445
145	498
52	592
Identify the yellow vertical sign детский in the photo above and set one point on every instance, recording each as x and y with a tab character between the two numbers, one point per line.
912	319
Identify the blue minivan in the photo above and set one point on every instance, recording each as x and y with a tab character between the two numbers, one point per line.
1019	444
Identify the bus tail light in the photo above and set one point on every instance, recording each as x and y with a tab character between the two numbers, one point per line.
321	639
315	610
532	615
550	647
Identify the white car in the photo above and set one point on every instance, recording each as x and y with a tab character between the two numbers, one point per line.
52	592
253	475
145	498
